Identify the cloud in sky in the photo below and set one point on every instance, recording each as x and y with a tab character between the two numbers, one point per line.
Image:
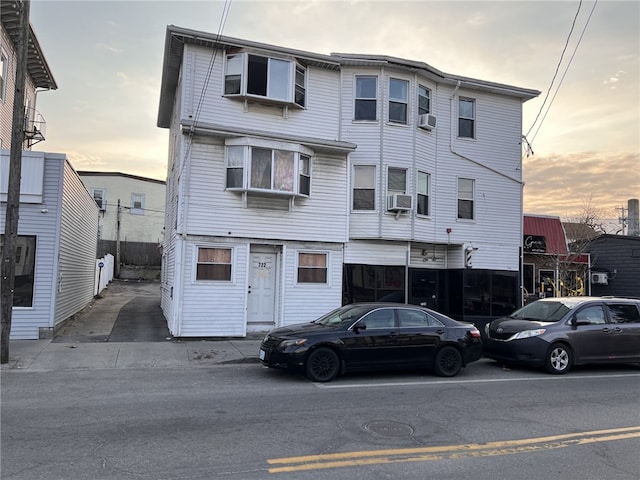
107	60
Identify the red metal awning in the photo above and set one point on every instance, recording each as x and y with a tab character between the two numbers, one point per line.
547	231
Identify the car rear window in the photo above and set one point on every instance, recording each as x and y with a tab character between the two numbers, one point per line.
624	313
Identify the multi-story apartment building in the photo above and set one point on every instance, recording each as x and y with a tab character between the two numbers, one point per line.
298	182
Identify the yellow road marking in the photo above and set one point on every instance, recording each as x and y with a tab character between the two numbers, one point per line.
423	454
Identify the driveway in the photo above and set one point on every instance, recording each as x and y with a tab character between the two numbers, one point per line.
126	311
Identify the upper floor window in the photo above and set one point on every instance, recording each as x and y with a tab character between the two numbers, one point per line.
422	193
466	117
398	100
364	187
466	194
396	180
366	98
424	100
272	78
3	74
266	169
100	197
213	264
137	204
312	267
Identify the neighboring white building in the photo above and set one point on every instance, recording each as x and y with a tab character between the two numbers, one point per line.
298	182
141	201
56	243
38	76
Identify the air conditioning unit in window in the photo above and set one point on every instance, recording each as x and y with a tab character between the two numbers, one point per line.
427	121
600	278
399	203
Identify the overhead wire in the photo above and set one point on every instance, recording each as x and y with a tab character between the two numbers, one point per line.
565	71
566	44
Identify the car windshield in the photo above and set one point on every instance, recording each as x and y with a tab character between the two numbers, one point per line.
348	313
542	311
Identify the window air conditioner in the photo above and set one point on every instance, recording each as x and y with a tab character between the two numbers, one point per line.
600	278
427	121
399	202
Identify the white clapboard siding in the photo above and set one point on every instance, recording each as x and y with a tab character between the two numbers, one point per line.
306	302
212	210
77	248
316	120
376	252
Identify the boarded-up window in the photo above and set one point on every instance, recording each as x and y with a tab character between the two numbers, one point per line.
312	268
214	264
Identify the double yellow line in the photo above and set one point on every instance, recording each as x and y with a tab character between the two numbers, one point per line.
469	450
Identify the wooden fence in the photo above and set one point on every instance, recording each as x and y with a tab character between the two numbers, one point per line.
132	253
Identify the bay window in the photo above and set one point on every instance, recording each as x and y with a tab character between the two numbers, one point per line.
257	168
364	187
424	100
398	100
366	95
280	80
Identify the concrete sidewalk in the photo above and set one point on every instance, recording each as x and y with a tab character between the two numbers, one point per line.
124	328
35	355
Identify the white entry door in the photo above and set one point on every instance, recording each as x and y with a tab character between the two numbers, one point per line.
262	292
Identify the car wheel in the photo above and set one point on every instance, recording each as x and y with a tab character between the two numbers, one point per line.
322	365
559	359
448	362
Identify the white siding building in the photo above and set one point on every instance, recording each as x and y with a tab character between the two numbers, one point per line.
56	243
298	182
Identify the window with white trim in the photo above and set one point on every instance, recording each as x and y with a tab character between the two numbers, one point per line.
424	100
137	204
396	180
100	197
213	263
3	74
280	80
466	195
398	100
364	187
253	168
466	117
366	98
423	188
312	267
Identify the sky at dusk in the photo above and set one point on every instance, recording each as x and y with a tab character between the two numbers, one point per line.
106	58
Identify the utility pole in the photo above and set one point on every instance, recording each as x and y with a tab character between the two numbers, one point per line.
13	189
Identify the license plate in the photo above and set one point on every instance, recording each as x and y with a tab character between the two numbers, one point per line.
262	354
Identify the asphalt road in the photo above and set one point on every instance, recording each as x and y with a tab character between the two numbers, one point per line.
247	422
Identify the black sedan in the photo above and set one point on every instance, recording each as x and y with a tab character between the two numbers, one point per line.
557	333
373	336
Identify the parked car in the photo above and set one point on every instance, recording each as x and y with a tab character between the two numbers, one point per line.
373	336
557	333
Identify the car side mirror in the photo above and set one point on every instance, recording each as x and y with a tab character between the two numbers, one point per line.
359	326
576	322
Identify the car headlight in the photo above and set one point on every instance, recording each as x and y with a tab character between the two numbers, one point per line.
527	334
292	343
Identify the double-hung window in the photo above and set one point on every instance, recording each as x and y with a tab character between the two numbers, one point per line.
312	267
213	264
398	100
422	193
466	117
466	194
256	168
137	204
3	74
366	98
396	180
280	80
424	100
364	187
100	198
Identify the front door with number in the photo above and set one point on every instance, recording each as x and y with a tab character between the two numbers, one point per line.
261	292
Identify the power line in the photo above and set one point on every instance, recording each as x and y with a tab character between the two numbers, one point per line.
566	70
566	44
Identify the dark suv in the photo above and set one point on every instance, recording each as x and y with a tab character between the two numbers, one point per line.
557	333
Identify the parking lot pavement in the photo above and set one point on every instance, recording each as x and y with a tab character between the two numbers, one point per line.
124	328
